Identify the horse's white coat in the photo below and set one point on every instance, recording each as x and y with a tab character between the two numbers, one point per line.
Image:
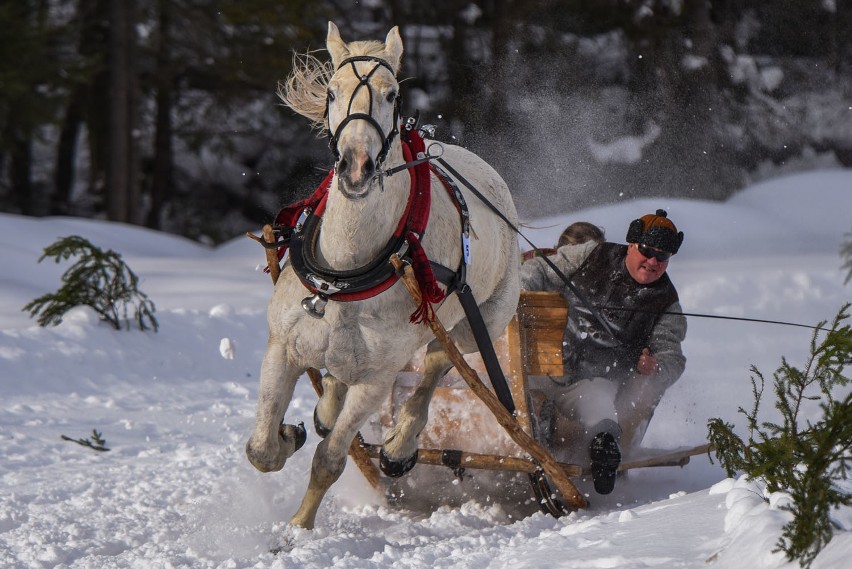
364	344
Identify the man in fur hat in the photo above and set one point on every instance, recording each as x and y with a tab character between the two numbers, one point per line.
622	341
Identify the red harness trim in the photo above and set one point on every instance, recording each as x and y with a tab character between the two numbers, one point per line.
412	224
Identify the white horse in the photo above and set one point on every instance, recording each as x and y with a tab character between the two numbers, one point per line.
364	343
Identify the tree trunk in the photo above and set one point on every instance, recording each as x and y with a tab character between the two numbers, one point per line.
161	179
66	153
119	163
20	170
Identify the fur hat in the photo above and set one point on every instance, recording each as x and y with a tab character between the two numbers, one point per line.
655	230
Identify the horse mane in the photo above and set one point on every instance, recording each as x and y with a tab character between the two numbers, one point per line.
305	89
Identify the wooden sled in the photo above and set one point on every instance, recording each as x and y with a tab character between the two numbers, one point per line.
463	434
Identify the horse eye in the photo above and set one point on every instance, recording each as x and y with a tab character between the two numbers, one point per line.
391	96
330	95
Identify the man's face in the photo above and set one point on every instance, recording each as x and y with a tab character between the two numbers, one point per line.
644	270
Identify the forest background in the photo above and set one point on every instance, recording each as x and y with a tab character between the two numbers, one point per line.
164	113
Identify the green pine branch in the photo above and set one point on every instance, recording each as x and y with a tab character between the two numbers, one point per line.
97	442
804	460
97	279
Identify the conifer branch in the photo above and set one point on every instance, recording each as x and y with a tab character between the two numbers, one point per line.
805	461
97	442
98	279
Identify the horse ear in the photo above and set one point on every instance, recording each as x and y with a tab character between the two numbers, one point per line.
335	45
393	47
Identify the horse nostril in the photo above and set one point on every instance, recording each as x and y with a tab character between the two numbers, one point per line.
369	168
343	165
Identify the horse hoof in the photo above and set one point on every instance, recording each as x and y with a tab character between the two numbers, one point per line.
396	468
295	432
321	429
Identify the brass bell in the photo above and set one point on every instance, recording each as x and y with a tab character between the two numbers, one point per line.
315	305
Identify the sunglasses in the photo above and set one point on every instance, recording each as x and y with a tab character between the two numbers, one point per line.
648	252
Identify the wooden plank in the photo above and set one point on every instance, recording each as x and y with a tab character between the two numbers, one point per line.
538	317
449	458
542	317
541	298
517	376
678	457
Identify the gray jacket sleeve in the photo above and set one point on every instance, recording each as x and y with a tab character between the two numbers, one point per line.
665	344
536	274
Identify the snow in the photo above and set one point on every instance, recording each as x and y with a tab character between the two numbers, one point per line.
176	408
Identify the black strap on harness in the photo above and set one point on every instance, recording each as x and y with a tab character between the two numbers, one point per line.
454	283
486	348
457	282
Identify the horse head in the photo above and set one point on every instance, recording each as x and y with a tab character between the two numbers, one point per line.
362	107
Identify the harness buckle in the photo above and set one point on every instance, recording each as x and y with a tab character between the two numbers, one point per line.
324	287
300	223
403	249
428	130
466	243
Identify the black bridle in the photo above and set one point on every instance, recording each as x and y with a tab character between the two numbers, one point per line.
333	137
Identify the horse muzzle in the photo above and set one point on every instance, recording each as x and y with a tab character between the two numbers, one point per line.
356	173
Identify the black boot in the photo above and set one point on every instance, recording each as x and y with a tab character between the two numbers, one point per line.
605	457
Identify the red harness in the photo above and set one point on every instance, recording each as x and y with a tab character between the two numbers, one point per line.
298	227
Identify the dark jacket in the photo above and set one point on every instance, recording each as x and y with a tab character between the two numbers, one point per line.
632	310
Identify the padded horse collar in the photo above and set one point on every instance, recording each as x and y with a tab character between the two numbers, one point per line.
343	285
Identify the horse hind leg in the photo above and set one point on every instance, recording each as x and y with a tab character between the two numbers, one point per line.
399	451
362	400
329	405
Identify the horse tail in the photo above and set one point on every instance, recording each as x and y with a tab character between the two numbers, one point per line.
304	90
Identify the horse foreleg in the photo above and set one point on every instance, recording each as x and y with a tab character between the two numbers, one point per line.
329	405
270	445
330	457
400	444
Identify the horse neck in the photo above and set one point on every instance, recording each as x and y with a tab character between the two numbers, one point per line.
354	232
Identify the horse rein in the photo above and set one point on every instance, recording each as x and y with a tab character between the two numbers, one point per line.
333	137
364	80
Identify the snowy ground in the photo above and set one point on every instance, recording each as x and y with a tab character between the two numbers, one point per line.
176	491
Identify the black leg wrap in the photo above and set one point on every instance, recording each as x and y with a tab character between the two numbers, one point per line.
394	468
321	429
297	432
